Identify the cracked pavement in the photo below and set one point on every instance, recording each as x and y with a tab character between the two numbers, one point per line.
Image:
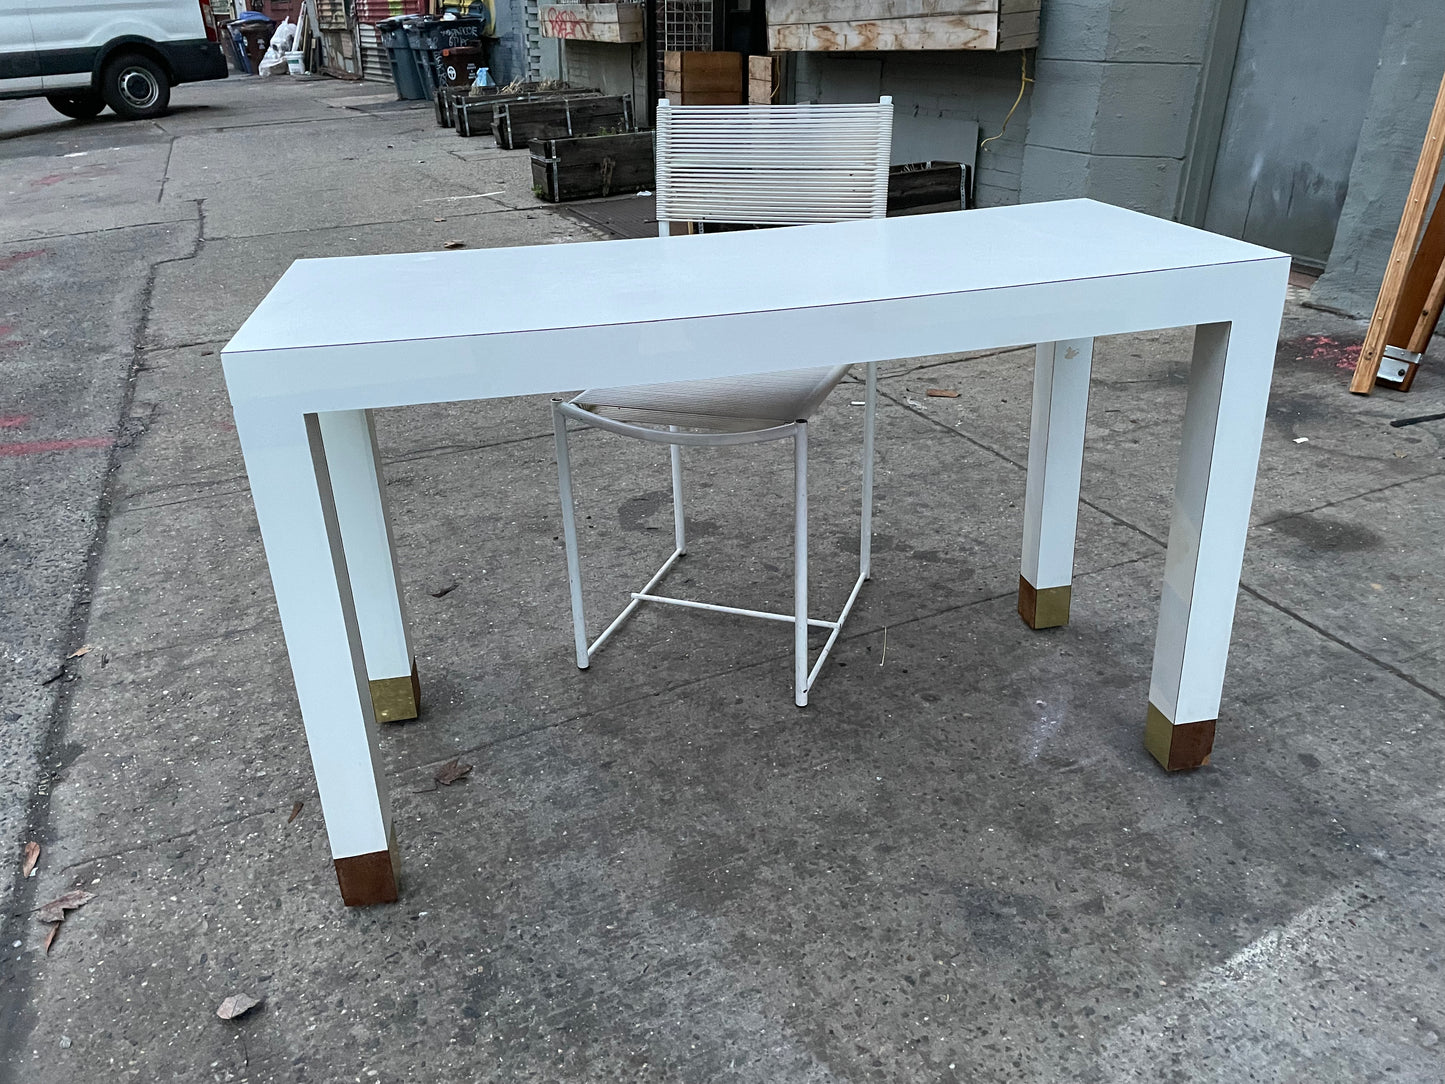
957	865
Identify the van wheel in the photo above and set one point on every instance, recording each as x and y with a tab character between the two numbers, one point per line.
82	105
135	87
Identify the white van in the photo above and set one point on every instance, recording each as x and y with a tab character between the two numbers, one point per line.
82	55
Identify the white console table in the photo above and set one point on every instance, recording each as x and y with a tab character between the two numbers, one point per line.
319	355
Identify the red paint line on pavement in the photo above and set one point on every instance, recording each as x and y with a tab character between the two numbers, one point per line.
16	257
13	421
32	447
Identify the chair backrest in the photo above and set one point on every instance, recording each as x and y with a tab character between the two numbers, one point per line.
782	165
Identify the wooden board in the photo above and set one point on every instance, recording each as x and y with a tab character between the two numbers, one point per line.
889	25
616	23
588	167
760	80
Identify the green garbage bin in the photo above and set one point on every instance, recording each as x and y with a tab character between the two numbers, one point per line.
405	71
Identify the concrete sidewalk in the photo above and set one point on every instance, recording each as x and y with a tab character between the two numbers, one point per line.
958	864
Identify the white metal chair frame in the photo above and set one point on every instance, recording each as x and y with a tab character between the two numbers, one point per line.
781	165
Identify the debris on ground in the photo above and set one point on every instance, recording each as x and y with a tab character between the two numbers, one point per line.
237	1005
451	771
54	911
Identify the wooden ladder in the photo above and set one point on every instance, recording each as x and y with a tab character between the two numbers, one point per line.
1413	292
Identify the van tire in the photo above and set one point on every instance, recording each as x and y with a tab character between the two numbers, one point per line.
135	86
82	105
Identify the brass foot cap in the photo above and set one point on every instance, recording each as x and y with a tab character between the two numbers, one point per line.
1044	608
1178	746
395	700
366	879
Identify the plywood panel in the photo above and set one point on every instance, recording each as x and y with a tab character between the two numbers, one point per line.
866	26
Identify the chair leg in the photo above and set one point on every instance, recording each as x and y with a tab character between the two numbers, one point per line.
679	520
569	535
800	564
870	414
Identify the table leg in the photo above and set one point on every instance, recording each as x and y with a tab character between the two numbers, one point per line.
291	488
1219	455
1051	496
361	511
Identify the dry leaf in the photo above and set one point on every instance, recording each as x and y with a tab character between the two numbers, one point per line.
455	244
451	771
942	393
237	1005
32	855
50	937
295	812
54	911
79	652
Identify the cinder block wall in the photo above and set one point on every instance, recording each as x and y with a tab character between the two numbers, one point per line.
611	68
1117	81
964	86
1108	115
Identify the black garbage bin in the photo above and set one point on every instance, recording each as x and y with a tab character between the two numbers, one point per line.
404	69
430	35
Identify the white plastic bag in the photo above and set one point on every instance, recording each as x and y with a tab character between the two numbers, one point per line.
281	40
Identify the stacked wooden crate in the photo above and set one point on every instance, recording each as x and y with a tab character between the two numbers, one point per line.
703	78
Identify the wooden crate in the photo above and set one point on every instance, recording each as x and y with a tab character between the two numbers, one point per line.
471	113
701	78
857	25
924	187
587	167
617	23
515	124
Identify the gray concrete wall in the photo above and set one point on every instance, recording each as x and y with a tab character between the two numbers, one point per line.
1412	57
1115	91
941	95
508	57
614	69
1107	116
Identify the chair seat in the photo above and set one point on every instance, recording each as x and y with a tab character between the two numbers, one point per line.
732	404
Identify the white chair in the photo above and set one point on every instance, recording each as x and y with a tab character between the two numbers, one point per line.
773	165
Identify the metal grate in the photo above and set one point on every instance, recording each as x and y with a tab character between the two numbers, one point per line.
682	26
778	165
375	65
